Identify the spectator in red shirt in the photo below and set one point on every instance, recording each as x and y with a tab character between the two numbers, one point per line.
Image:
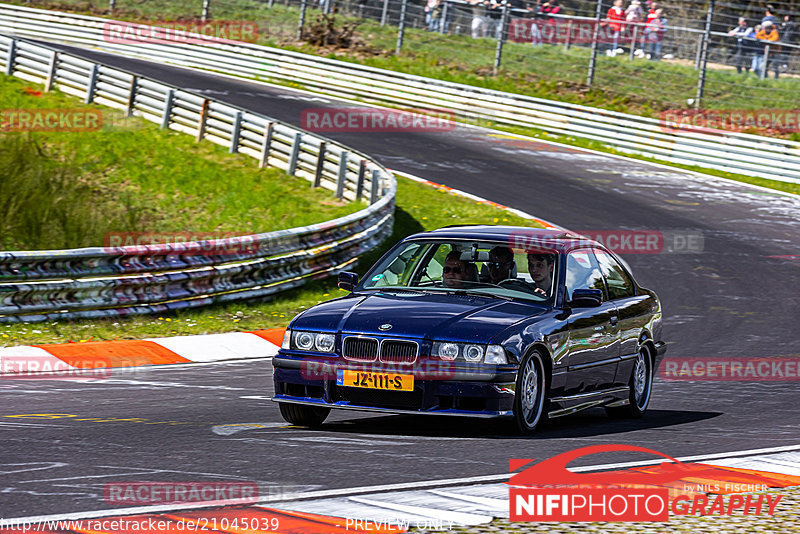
615	19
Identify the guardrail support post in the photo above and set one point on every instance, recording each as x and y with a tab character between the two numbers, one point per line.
132	96
51	72
236	133
342	175
598	16
385	12
375	186
401	29
633	42
501	36
263	161
92	84
12	56
301	23
298	139
362	168
701	80
201	125
165	118
323	146
204	14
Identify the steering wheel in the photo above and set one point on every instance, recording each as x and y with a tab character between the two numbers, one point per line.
520	285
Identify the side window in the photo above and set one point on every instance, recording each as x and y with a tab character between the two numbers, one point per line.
619	283
583	272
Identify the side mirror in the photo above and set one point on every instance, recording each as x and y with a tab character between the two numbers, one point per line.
347	280
586	298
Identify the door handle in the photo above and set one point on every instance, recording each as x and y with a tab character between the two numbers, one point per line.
613	320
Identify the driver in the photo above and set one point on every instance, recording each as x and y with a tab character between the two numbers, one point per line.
540	267
500	264
456	271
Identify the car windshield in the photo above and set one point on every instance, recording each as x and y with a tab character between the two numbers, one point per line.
473	267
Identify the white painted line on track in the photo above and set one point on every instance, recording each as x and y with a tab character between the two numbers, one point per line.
348	492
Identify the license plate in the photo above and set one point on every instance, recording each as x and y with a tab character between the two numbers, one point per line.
365	379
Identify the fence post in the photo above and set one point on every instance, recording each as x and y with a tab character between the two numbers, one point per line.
301	23
401	29
51	72
265	148
633	41
598	16
320	164
204	15
443	20
132	96
328	7
111	5
385	12
763	73
167	109
236	133
92	84
12	56
698	52
376	183
501	36
201	126
569	35
270	3
701	80
342	175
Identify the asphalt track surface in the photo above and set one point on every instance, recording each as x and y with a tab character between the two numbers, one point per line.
737	297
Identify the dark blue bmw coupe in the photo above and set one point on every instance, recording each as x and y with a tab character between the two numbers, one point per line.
477	321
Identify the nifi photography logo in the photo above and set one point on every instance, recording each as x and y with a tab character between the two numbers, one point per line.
548	491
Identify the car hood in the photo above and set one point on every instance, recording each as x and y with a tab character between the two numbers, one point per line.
448	316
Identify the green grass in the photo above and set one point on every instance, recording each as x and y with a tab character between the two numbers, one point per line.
71	189
419	207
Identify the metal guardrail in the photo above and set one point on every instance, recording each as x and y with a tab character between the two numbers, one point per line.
734	152
107	282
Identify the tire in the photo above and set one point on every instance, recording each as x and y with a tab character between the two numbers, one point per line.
300	415
641	386
530	398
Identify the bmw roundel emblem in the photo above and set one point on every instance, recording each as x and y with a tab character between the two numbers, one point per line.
385	327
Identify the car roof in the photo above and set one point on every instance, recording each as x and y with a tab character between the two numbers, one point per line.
518	237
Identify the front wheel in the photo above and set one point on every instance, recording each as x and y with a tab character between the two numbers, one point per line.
300	415
640	384
529	400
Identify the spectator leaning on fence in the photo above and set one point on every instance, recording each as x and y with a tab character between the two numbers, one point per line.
654	34
478	18
741	52
768	34
615	20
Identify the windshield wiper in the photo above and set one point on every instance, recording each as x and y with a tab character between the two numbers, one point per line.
481	294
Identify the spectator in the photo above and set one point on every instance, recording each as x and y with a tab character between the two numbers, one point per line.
741	51
769	16
494	18
634	13
550	8
654	34
767	36
431	18
788	33
615	18
478	18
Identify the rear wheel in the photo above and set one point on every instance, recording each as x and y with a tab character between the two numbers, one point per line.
640	384
300	415
529	398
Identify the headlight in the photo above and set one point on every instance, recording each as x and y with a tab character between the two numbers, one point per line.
287	340
445	351
496	355
473	353
324	342
304	340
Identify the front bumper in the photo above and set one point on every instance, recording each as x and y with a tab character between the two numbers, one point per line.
464	392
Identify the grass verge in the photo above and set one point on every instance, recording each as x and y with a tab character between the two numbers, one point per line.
419	207
66	189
